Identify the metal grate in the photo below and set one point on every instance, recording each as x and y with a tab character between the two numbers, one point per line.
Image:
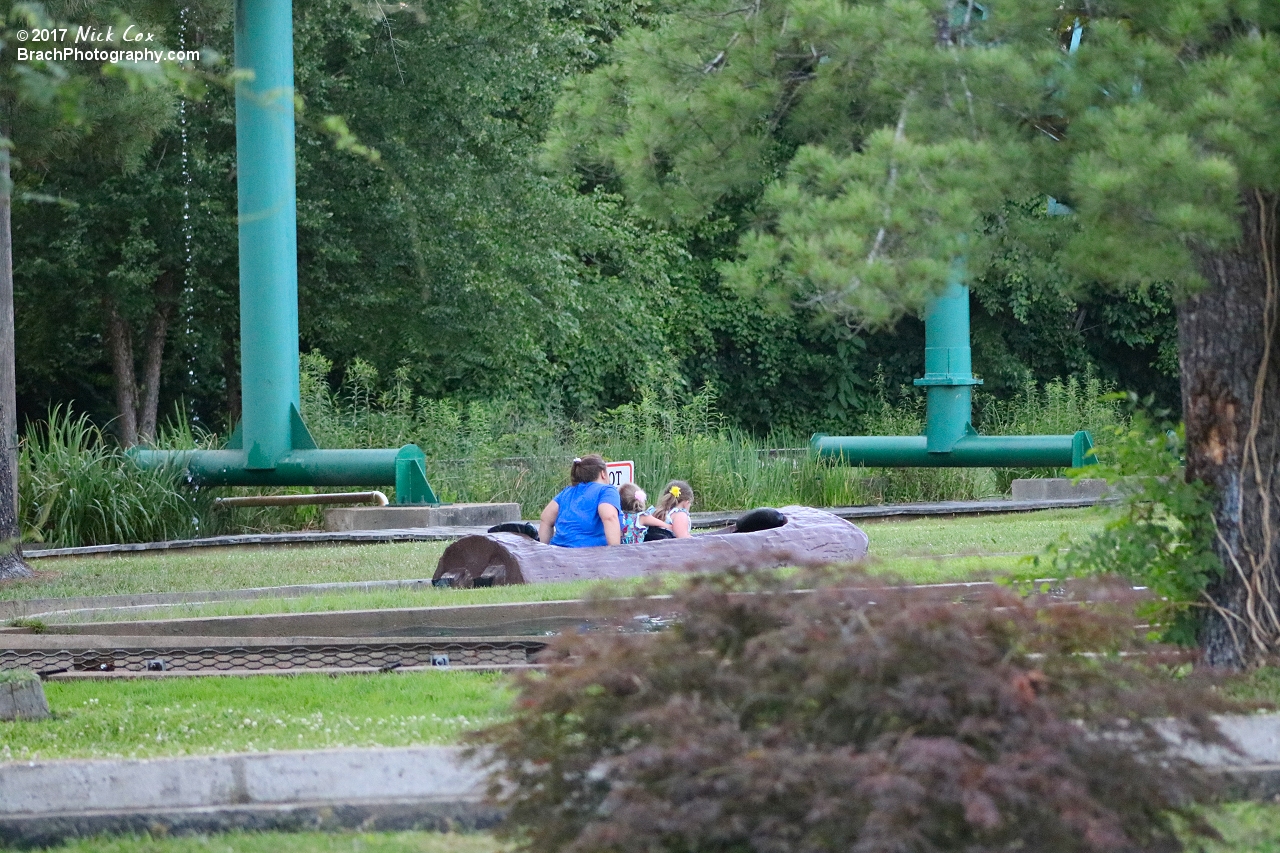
281	658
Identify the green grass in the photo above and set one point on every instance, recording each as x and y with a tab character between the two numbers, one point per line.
915	551
284	842
1245	827
197	716
225	568
1259	686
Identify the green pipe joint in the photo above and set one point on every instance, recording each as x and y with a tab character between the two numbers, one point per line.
970	451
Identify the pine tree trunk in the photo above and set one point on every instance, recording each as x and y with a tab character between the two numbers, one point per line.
11	563
120	345
1229	358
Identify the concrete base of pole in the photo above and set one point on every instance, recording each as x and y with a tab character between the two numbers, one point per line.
22	697
1058	488
401	517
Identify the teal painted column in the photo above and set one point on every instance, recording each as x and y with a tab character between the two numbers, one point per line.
948	365
268	228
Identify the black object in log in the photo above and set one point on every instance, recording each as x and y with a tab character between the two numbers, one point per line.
524	528
765	518
809	537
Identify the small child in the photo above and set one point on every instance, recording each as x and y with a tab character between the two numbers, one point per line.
635	520
673	509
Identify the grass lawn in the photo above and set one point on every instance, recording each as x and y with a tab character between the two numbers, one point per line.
190	716
301	842
915	550
1245	828
225	568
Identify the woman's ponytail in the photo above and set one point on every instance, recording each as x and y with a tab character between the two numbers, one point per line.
587	469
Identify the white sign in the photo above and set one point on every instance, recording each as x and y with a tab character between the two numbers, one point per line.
621	473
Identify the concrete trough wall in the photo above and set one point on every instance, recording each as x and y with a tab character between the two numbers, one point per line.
44	802
425	787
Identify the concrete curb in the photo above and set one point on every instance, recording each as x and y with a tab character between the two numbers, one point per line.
387	816
42	802
426	787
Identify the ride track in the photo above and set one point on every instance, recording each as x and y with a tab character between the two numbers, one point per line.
471	637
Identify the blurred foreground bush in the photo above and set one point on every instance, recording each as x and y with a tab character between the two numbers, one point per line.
782	721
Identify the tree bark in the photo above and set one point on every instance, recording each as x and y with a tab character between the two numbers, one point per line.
120	345
157	334
1229	359
11	563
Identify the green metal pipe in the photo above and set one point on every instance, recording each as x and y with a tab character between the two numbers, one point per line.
272	446
268	229
405	468
971	451
296	468
948	364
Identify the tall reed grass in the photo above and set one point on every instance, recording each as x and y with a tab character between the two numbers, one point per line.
503	452
78	488
1059	407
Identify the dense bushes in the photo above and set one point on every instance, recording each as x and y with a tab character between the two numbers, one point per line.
781	722
497	451
77	488
1163	535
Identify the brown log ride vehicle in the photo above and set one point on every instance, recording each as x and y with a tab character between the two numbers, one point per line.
808	537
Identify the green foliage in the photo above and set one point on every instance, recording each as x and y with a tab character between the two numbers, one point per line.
1164	535
78	488
451	258
877	136
505	452
1056	408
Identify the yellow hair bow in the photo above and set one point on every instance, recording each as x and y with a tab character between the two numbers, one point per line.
675	491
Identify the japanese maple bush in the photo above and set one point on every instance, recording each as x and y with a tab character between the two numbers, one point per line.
845	718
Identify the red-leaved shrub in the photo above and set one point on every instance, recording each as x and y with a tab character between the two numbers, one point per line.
775	721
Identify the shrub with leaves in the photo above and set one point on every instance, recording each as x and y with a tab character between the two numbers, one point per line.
1163	536
842	718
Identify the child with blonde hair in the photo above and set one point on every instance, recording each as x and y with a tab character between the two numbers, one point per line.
673	508
635	519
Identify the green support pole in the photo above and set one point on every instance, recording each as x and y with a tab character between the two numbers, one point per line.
950	440
272	446
948	365
268	229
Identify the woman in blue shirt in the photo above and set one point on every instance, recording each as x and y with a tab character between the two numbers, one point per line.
586	513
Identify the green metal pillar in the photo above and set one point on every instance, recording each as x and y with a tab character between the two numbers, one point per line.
949	439
268	229
948	365
272	446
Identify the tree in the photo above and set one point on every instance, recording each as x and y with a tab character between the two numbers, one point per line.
884	134
46	105
24	84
